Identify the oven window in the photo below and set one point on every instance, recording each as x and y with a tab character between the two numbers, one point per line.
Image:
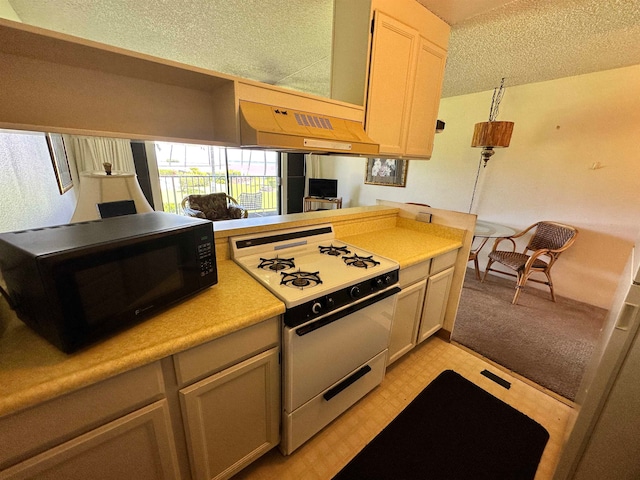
128	283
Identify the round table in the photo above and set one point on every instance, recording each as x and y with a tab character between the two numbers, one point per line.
486	230
492	230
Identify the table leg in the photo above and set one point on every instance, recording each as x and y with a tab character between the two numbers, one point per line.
473	255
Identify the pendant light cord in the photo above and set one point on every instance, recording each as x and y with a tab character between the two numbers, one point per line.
475	185
498	93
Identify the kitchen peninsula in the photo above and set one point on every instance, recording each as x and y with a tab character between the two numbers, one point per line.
155	373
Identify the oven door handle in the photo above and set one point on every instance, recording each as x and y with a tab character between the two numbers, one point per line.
347	311
347	382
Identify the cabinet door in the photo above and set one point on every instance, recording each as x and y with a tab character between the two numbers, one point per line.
390	83
425	100
435	303
233	417
139	445
406	320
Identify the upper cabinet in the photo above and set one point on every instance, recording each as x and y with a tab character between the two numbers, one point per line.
425	99
60	83
387	78
395	67
391	81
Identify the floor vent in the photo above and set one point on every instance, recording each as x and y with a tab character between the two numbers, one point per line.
500	381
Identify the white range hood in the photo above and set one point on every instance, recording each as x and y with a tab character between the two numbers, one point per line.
268	126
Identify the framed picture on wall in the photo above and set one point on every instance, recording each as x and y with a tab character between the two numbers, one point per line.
389	172
59	161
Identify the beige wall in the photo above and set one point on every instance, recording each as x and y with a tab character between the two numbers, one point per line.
562	127
7	11
29	195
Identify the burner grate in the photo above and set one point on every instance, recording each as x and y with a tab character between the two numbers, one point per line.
276	263
300	279
360	262
333	250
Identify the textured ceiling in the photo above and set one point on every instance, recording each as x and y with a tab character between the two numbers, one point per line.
288	42
457	11
529	41
279	42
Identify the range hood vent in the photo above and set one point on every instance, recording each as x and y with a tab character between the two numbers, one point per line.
277	128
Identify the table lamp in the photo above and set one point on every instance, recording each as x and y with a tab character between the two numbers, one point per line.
101	187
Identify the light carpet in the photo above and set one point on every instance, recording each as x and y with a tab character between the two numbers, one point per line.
548	343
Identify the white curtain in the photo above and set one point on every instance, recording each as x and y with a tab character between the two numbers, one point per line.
312	170
91	152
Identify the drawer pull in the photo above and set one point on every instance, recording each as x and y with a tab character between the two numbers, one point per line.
346	382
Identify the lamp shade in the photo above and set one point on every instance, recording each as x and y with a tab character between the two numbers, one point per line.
98	187
492	134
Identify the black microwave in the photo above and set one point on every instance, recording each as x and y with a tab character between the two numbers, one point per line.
77	283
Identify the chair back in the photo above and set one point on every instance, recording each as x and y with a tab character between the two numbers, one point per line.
217	202
212	206
552	236
117	208
250	201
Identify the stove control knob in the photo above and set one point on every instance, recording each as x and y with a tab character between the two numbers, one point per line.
354	292
388	279
316	308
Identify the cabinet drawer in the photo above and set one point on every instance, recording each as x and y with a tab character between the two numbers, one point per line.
31	431
444	261
414	273
204	360
319	411
138	445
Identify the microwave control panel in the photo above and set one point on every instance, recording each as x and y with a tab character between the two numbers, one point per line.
205	257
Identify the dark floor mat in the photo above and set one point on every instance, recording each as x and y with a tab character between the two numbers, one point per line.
452	430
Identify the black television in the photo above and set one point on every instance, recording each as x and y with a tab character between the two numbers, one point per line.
323	187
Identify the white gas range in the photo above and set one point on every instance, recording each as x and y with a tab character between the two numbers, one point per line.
339	306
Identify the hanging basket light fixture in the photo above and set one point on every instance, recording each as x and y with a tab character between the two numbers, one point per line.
492	134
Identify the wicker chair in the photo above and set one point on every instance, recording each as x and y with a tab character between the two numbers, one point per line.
549	240
213	206
251	202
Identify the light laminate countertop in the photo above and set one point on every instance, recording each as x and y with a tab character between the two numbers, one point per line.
409	242
32	370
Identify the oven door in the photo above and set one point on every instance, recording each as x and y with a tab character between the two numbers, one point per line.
323	351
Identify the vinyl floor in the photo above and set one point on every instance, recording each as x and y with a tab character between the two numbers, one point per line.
327	452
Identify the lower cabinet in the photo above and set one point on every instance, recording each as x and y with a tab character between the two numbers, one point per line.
233	417
422	304
435	303
139	445
203	413
406	320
